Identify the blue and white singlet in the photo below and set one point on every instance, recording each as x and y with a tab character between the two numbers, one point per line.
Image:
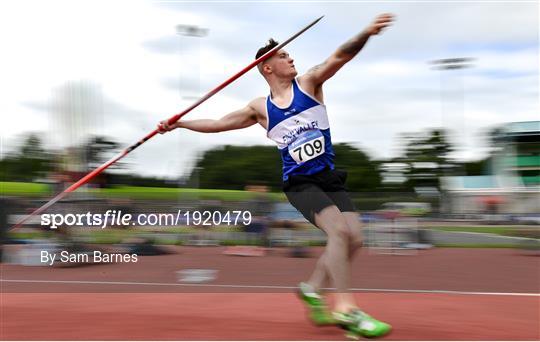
302	134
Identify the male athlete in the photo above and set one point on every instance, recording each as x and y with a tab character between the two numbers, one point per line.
294	116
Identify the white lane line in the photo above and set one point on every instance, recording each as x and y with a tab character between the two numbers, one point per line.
89	282
487	234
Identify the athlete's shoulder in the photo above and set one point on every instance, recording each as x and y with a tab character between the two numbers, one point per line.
308	86
258	104
305	82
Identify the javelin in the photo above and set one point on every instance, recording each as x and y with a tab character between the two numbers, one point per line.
171	120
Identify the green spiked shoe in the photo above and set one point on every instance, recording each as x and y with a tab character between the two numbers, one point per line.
318	312
359	324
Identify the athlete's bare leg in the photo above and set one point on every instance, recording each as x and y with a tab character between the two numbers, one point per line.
355	229
320	276
341	245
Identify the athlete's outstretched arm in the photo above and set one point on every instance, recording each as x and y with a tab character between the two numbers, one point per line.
241	118
322	72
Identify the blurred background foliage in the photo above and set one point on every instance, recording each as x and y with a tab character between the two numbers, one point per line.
424	158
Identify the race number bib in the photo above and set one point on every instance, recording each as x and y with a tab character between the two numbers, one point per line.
307	146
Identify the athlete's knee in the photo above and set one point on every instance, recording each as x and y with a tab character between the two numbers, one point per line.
335	224
355	230
340	231
356	236
356	244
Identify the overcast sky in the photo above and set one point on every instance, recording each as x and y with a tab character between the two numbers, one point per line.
125	69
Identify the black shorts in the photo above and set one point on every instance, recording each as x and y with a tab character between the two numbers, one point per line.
312	193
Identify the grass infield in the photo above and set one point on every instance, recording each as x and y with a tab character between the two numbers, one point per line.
135	192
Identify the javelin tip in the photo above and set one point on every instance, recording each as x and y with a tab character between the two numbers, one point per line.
316	21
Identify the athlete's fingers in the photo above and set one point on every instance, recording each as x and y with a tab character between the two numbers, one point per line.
163	127
385	25
381	22
384	21
379	26
384	18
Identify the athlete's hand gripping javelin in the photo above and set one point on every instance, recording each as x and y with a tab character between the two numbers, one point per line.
164	126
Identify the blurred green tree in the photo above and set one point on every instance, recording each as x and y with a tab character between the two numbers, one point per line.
234	167
96	149
29	162
363	172
427	155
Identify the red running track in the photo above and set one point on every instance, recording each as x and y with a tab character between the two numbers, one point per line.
62	310
258	316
